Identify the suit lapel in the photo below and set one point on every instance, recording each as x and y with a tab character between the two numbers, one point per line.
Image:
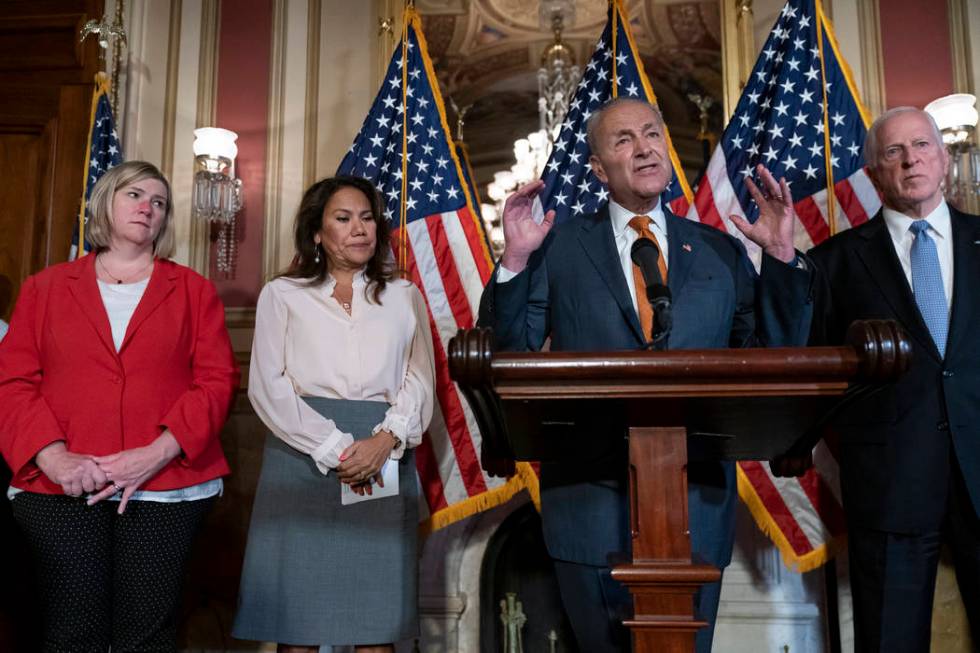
966	270
163	280
84	289
684	246
596	238
877	253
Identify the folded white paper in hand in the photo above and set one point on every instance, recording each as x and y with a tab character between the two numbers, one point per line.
389	472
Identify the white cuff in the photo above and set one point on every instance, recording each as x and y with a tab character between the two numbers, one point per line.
327	454
398	426
504	275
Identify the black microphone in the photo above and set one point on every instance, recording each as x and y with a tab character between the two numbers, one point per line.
645	254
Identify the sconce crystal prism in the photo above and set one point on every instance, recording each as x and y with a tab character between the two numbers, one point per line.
217	194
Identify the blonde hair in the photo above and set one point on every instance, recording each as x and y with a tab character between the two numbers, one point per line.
99	231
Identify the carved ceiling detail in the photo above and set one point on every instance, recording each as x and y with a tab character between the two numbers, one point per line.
486	54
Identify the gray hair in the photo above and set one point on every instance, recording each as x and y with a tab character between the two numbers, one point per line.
871	144
592	124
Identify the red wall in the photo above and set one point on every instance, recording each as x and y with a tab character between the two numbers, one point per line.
244	55
915	47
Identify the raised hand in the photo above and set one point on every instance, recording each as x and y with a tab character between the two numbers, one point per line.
773	230
522	235
75	473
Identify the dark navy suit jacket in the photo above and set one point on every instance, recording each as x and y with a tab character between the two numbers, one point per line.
896	446
574	291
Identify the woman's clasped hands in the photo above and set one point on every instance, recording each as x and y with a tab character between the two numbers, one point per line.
102	477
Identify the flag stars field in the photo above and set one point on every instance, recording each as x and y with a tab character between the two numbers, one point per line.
798	86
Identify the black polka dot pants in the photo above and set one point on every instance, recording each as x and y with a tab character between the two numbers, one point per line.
106	579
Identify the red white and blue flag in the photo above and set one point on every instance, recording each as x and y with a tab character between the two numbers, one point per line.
103	153
800	116
405	148
614	70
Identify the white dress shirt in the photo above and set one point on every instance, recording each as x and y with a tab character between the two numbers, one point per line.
306	345
940	230
624	237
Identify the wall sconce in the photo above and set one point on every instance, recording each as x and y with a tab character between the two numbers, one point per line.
218	195
956	115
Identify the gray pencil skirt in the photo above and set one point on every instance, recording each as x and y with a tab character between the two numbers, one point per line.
317	572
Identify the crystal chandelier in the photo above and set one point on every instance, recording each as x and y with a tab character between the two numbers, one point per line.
557	79
956	115
558	74
217	196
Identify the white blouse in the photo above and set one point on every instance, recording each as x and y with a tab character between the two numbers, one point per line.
306	345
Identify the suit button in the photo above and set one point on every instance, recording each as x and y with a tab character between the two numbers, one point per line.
942	426
947	373
115	379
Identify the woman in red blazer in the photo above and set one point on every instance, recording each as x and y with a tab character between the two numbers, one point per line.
115	379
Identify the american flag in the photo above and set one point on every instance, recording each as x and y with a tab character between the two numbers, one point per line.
103	153
464	163
614	70
405	148
799	115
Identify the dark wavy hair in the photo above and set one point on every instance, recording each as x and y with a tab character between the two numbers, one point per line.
309	220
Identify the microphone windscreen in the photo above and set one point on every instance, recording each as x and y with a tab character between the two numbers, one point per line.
645	254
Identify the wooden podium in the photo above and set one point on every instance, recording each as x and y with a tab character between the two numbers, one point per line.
731	404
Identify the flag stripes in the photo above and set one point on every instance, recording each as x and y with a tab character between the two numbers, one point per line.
801	117
405	148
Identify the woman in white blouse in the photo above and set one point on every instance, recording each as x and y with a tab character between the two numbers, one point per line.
342	375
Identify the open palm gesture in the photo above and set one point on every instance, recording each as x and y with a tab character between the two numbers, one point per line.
522	234
773	230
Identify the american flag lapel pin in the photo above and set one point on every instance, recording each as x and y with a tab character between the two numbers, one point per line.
686	247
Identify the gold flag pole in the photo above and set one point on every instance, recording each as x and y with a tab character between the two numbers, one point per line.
828	161
403	217
614	5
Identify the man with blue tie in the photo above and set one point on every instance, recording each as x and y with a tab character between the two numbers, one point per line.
578	286
909	455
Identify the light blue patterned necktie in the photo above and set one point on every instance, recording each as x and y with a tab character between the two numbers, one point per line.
927	284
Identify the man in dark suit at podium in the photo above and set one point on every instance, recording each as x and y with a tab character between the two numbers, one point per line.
910	455
577	285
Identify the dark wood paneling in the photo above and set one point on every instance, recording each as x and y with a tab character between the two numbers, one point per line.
22	155
47	79
39	42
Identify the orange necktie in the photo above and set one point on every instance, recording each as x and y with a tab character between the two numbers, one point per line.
641	225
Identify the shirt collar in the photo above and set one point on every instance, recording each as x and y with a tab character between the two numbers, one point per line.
899	223
620	217
359	281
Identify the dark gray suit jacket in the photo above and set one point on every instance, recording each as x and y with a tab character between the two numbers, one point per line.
896	447
574	291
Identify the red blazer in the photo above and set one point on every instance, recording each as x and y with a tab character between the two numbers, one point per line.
62	379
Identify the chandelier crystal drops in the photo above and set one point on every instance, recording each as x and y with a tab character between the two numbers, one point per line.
557	79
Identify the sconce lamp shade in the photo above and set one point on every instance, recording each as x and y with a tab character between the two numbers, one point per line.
954	111
215	142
